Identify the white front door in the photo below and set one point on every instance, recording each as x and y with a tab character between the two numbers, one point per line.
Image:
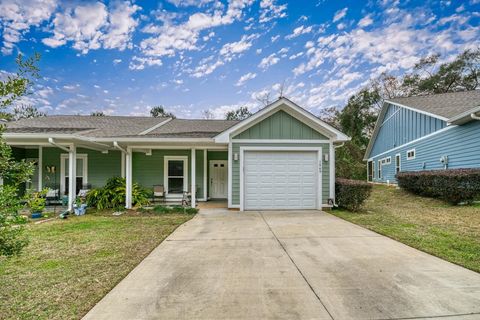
280	180
218	179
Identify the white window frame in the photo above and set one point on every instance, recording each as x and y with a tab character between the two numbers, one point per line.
63	157
398	165
379	169
185	171
414	154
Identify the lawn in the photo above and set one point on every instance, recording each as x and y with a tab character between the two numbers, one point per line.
71	264
449	232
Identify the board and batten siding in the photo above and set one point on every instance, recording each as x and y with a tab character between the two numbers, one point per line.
460	143
281	125
400	126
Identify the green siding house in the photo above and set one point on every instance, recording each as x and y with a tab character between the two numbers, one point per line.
282	157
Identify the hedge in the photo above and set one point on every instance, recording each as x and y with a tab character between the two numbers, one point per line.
452	185
351	194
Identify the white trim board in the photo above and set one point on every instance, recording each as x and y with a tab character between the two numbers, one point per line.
185	171
417	110
279	148
65	156
414	141
305	141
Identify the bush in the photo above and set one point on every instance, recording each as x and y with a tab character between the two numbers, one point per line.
112	195
174	209
452	185
350	194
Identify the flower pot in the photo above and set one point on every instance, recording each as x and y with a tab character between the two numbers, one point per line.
36	215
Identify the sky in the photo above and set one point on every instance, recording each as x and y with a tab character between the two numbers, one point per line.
123	57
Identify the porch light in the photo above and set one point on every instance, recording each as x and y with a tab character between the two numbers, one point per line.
235	156
325	157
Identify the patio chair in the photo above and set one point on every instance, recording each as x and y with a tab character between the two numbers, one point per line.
158	193
52	196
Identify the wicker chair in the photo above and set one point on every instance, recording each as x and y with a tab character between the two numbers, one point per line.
158	193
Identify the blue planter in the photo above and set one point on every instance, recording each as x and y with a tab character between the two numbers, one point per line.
79	211
36	215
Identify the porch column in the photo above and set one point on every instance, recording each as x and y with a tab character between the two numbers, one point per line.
122	168
129	180
194	189
205	176
72	176
40	168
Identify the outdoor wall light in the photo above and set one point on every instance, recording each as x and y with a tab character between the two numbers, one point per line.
235	156
325	157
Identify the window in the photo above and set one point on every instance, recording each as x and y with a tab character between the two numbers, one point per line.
370	171
411	154
175	179
379	169
387	160
397	163
81	173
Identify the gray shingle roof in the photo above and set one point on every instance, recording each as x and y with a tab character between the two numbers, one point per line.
447	105
120	126
192	128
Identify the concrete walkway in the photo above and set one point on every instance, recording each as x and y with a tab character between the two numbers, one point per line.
288	265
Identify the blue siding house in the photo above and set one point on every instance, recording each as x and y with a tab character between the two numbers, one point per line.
425	133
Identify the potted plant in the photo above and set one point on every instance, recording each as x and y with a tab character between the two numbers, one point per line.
79	208
36	203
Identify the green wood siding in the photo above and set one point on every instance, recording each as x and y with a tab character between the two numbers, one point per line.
281	125
100	166
236	167
149	170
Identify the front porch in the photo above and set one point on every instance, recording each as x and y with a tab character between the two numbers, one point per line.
201	171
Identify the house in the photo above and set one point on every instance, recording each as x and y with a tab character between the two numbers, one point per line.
425	133
282	157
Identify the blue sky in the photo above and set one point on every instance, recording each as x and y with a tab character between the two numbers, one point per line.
122	57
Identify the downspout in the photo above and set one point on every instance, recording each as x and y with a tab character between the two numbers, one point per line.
117	146
474	116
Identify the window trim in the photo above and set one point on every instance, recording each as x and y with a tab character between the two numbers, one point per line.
398	164
379	169
414	154
64	172
185	171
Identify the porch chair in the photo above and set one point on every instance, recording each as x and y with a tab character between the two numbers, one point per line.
187	196
158	193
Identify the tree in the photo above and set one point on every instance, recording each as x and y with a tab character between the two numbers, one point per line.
239	114
207	114
160	112
25	112
97	114
428	77
13	173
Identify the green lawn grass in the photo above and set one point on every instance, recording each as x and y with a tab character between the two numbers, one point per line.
449	232
71	264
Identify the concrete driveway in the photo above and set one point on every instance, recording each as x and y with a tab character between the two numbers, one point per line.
288	265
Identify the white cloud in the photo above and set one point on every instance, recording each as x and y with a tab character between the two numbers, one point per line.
269	61
139	63
269	10
205	68
91	26
234	48
116	61
340	14
295	56
170	38
17	17
188	3
365	21
299	31
275	38
245	78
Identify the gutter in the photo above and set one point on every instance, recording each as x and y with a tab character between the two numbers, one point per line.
53	143
474	116
117	146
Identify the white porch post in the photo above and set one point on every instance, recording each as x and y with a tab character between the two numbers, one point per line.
194	189
40	168
72	176
122	169
205	176
129	180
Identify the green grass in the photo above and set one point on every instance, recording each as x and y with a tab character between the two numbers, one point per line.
449	232
71	264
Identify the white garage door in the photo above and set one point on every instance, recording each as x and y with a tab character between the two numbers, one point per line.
280	180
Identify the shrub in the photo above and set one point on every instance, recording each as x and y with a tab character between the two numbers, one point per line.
112	195
350	194
452	185
174	209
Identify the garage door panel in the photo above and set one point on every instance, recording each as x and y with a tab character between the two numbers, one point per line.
280	180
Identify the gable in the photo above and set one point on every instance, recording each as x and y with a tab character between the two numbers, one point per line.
281	125
399	125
